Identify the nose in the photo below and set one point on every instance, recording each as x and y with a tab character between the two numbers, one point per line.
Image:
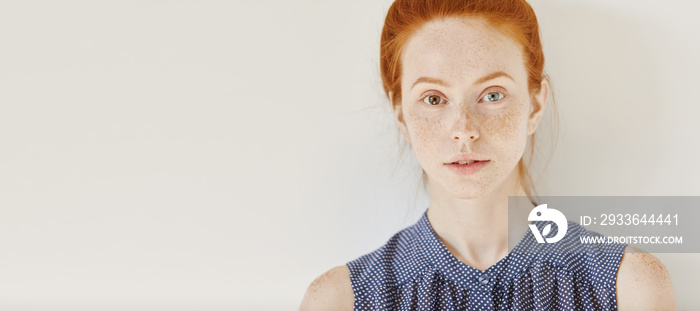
465	127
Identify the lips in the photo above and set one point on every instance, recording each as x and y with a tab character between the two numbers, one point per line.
466	162
466	157
466	169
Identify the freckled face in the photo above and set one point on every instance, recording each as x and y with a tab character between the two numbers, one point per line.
489	118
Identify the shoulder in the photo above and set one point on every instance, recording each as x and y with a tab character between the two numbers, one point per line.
330	291
643	282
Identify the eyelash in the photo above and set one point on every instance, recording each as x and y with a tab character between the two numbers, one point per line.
426	96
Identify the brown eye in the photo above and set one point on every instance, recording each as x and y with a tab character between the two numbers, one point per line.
432	100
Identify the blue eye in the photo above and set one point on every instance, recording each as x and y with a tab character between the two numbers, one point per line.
493	96
433	100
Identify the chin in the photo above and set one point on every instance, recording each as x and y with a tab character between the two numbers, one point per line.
466	192
460	188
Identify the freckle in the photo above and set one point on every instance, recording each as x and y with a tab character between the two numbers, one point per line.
504	127
659	270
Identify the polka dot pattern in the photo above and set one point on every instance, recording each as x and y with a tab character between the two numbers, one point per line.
415	271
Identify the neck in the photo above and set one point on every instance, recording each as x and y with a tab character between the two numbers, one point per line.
474	230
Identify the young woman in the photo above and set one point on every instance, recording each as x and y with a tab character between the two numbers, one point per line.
465	81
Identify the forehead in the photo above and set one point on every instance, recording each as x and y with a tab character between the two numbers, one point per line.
460	50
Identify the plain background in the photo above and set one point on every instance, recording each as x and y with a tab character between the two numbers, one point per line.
220	155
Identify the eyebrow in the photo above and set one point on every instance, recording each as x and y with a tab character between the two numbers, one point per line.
483	79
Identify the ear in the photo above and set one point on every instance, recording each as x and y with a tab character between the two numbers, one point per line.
537	106
398	114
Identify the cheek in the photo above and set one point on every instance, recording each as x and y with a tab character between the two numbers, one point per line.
425	131
509	128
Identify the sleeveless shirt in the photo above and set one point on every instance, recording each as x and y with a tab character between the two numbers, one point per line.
414	270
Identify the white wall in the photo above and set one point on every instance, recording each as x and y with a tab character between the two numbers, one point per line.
219	155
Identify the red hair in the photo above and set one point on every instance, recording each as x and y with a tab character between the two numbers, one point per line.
514	18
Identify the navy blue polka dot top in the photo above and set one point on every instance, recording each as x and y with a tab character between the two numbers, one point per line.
415	271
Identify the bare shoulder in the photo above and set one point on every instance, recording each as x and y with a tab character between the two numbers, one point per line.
330	291
643	283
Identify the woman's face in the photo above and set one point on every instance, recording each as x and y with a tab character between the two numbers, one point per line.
465	95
